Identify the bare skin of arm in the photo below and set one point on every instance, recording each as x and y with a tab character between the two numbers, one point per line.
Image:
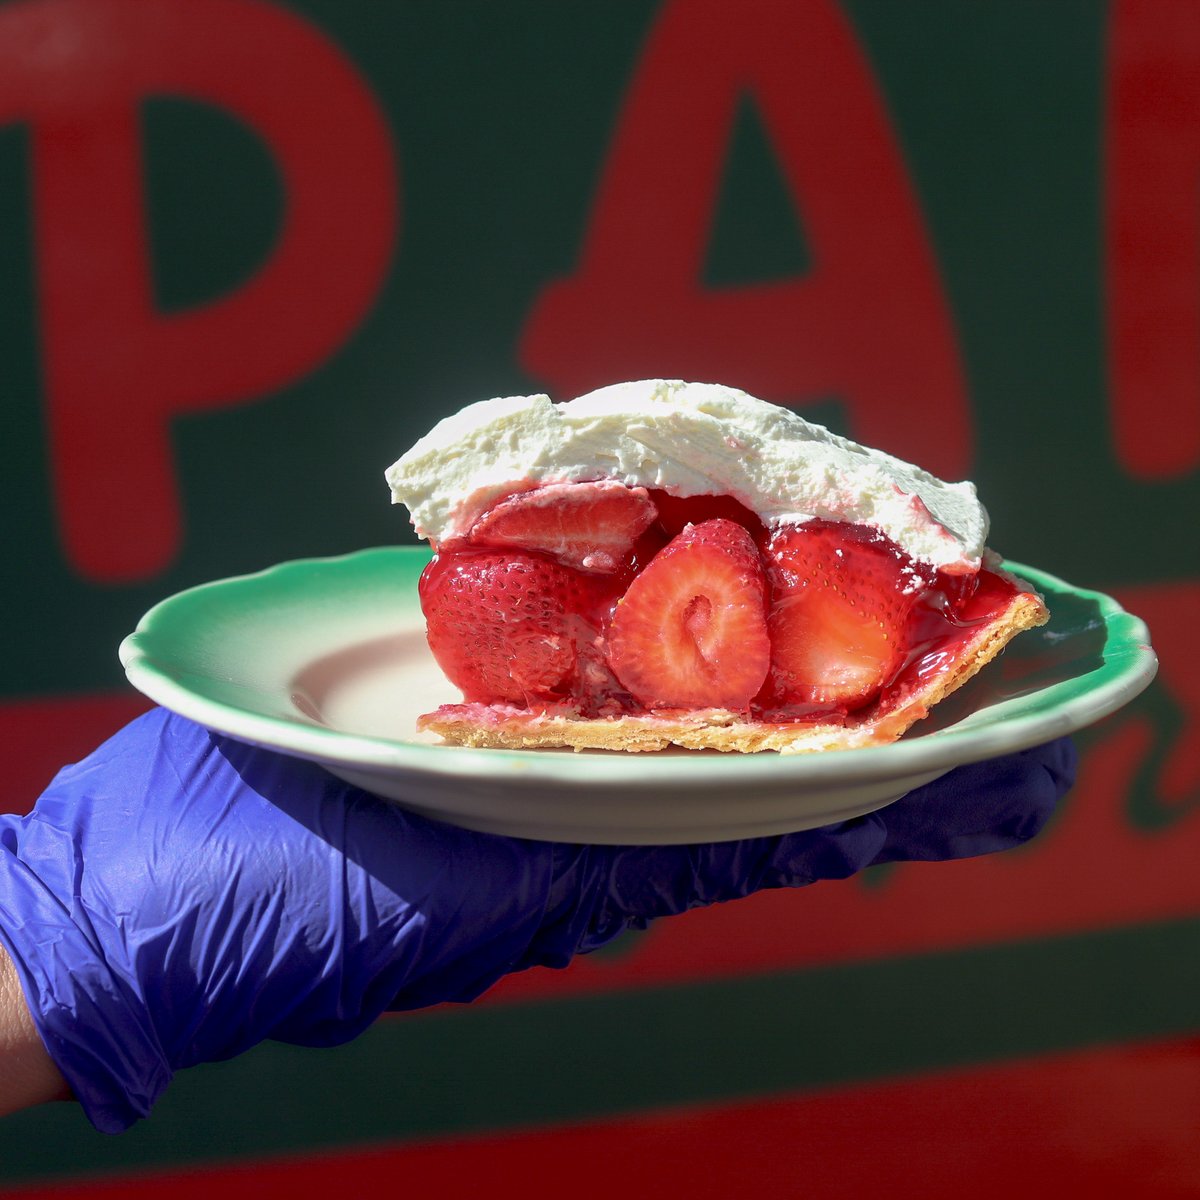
28	1075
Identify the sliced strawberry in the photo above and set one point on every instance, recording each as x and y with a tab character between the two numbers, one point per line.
691	631
840	597
505	626
589	526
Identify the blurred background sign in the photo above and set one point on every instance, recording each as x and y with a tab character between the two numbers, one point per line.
251	250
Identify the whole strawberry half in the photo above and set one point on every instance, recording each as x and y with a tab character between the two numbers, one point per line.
506	626
840	600
591	526
691	630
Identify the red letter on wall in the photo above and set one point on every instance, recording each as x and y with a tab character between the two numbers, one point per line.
1154	235
869	323
115	370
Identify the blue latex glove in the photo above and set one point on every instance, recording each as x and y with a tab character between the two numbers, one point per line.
179	896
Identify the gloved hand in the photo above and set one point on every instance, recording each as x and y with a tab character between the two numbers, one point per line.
179	896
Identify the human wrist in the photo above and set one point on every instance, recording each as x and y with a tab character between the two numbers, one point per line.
28	1075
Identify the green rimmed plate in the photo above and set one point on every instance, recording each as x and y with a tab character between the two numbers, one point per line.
326	659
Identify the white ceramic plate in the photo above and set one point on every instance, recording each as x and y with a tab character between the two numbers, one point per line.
326	659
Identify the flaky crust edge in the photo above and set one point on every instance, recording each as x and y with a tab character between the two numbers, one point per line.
499	726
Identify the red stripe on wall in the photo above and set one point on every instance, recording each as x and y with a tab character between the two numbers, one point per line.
1089	871
42	735
1117	1121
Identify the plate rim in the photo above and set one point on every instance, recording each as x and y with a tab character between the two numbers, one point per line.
1129	669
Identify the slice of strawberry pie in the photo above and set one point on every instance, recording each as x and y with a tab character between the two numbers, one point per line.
662	563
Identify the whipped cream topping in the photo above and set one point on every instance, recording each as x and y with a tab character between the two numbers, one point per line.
689	439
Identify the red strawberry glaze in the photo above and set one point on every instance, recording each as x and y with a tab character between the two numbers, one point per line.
565	661
674	512
946	614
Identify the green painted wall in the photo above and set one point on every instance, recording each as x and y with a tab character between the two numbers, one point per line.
502	130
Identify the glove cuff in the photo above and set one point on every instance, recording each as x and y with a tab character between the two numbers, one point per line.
85	1013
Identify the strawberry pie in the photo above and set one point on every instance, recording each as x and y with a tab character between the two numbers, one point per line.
664	563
